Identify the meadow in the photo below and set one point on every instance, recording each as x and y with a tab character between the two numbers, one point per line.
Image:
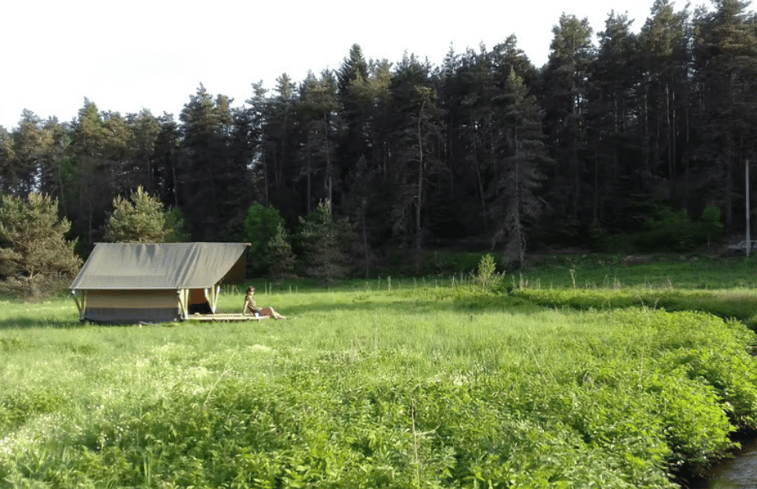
431	382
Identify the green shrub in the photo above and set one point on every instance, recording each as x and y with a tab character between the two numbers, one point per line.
673	230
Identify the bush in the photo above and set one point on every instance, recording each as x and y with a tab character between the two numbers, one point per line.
674	230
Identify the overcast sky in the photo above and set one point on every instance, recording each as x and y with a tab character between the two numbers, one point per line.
153	54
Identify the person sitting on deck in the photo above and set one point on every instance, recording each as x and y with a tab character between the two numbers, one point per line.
250	307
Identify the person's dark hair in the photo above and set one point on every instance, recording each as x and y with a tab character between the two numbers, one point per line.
250	289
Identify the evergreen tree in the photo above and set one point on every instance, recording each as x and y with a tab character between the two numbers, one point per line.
37	259
612	125
166	160
260	227
145	129
480	130
56	139
417	119
89	176
726	60
252	122
355	103
31	143
523	153
281	143
566	94
318	106
327	242
7	161
280	255
142	219
364	184
207	177
664	91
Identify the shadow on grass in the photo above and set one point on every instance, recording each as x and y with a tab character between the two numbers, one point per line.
27	322
467	304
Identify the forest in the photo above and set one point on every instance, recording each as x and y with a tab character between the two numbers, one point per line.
640	141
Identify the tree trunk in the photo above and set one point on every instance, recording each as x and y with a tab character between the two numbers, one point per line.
419	197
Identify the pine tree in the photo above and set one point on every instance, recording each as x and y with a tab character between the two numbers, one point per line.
664	91
327	241
260	227
355	108
417	125
612	124
145	129
281	143
90	179
142	219
38	260
7	161
31	146
522	154
726	60
361	200
206	176
566	94
280	256
318	105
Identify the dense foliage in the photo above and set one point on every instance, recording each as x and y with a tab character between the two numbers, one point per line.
485	147
442	386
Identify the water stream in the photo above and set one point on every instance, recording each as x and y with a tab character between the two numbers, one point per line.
739	473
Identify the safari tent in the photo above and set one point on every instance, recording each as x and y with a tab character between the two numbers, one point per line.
135	282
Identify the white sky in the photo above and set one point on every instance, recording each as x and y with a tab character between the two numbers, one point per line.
153	54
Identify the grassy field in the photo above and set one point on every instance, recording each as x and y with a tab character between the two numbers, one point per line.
419	383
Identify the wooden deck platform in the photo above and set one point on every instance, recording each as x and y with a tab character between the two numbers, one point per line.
223	317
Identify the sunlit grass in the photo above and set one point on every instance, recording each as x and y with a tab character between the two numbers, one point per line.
367	385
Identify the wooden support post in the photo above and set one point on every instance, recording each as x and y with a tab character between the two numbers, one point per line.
79	305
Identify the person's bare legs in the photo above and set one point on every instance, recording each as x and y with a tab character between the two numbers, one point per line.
269	311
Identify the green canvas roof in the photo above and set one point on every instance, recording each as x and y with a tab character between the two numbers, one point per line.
118	266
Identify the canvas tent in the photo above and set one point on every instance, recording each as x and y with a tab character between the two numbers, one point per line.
136	282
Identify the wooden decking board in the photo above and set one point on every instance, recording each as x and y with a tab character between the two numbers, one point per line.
223	317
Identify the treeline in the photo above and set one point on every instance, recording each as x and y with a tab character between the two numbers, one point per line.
486	147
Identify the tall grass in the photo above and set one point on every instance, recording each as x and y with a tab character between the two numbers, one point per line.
413	386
